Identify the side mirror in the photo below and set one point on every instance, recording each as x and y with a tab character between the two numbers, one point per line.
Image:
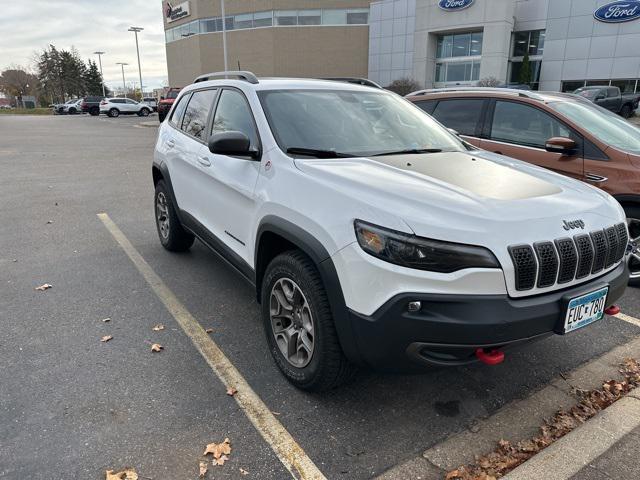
455	132
231	143
562	145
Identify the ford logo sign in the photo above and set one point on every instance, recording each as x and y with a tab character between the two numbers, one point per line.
616	12
451	5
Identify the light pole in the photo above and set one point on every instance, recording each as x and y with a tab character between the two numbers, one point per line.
101	75
124	86
224	36
135	30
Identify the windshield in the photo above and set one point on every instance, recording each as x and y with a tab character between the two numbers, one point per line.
353	123
607	127
173	94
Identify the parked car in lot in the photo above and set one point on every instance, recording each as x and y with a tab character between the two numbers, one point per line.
152	102
166	101
610	98
373	235
63	108
91	105
113	107
72	107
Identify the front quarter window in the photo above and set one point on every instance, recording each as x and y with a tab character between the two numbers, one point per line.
352	122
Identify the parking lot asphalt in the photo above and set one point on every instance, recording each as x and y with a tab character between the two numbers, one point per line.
72	406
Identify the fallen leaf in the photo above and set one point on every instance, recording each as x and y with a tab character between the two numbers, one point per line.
44	287
219	461
203	469
209	330
158	327
49	222
219	450
106	338
231	391
15	260
126	474
243	472
108	319
276	413
156	347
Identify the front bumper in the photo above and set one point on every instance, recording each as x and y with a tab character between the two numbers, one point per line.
448	329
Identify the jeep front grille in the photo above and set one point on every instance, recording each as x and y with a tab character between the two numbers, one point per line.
566	259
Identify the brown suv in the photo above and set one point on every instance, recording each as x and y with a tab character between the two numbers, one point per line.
559	131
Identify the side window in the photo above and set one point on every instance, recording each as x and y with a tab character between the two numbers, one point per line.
463	115
233	113
612	92
179	110
524	125
427	105
197	113
130	102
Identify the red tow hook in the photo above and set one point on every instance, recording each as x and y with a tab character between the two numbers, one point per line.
492	357
612	310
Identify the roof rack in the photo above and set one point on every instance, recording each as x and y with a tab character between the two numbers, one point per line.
359	81
512	91
242	75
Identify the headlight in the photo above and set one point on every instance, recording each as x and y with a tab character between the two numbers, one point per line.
421	253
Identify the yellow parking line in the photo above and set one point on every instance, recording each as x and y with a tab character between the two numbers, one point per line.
628	318
279	439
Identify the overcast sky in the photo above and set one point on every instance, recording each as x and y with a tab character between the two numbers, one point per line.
27	26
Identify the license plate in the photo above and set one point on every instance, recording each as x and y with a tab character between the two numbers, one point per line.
585	309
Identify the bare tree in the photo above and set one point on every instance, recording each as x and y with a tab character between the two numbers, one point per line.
16	82
403	86
489	82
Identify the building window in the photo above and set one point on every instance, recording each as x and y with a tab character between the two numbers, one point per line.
516	69
530	41
243	21
358	16
457	71
309	17
262	19
334	17
459	45
286	17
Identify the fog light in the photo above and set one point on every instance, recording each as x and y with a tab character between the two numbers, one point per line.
414	306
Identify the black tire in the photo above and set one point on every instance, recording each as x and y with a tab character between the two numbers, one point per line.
328	367
176	238
144	112
94	111
72	111
632	211
114	112
161	116
626	111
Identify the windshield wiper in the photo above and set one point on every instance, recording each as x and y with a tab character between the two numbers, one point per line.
318	153
408	151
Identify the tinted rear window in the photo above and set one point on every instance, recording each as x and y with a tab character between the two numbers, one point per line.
463	115
427	105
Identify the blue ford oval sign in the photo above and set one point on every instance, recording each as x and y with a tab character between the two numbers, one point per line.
616	12
451	5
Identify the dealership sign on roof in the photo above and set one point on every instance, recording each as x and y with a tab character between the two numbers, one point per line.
616	12
176	12
452	5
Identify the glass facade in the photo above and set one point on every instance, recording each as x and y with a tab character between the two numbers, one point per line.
467	44
531	41
271	18
458	57
458	71
516	68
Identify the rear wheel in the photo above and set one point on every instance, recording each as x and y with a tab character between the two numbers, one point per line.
114	112
172	236
161	116
633	222
72	111
144	112
626	111
94	111
299	325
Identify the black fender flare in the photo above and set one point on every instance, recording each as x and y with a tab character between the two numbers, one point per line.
163	171
311	246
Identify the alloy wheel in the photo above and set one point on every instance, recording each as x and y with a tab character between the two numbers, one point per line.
292	322
162	215
634	243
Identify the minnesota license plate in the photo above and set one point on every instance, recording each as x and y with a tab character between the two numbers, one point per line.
585	309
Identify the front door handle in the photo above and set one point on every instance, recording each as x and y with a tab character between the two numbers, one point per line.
498	152
595	178
204	161
171	143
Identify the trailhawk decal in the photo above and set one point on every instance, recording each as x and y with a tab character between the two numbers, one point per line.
617	12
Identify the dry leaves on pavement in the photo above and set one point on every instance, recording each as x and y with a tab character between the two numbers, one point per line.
243	471
508	456
44	287
156	347
231	391
203	469
106	338
219	451
126	474
158	327
108	319
209	330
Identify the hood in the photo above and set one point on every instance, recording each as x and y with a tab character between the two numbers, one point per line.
450	195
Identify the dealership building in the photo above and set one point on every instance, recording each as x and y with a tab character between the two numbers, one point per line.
438	43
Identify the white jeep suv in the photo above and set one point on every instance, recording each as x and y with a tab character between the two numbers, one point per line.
373	235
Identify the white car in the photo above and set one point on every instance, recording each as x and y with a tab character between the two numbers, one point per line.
72	107
152	102
372	234
114	107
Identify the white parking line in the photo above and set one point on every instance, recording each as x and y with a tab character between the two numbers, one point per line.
279	439
628	318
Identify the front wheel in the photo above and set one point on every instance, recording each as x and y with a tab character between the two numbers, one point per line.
299	325
114	112
144	112
633	222
626	111
94	111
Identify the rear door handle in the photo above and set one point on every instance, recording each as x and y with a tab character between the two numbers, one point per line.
171	143
592	177
204	161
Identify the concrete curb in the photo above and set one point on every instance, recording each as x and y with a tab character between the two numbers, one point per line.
516	421
566	457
